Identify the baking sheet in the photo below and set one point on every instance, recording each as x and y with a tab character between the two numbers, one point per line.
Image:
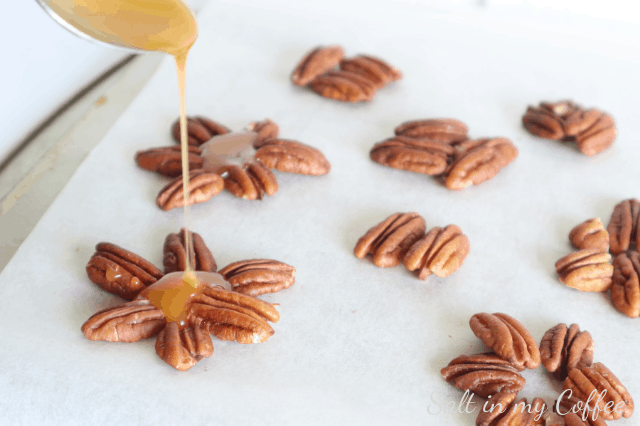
356	344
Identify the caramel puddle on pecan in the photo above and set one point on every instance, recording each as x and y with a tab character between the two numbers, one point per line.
229	149
171	293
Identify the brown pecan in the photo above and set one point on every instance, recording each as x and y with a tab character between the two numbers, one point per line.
415	155
183	348
292	157
259	276
506	412
445	130
483	374
562	349
623	226
199	129
440	251
129	322
586	270
339	88
251	181
367	86
168	160
316	62
481	163
232	316
390	240
573	419
540	121
590	235
598	137
202	186
175	255
579	120
610	397
508	338
265	129
625	287
120	271
373	69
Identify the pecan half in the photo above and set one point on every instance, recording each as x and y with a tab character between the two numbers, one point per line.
506	412
259	276
202	186
175	255
579	120
265	129
440	251
168	160
367	86
625	288
590	235
390	240
612	399
598	137
586	270
562	349
129	322
251	181
232	316
199	129
573	419
445	130
183	348
543	122
339	88
120	271
508	338
483	374
480	163
316	62
623	226
292	157
373	69
415	155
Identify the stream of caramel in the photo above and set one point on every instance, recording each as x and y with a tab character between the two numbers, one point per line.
151	25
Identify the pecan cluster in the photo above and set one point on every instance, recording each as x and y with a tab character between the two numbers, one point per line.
567	353
251	178
235	314
592	130
327	72
591	268
401	238
441	148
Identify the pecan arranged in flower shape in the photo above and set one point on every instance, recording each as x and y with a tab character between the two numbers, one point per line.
592	130
259	276
357	80
291	157
625	287
242	160
168	160
506	412
623	227
483	374
175	254
415	155
440	251
611	398
508	338
202	186
445	130
590	235
479	161
315	63
562	349
120	271
251	181
199	129
586	270
390	240
184	315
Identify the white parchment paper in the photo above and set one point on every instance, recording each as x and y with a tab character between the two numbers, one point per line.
356	344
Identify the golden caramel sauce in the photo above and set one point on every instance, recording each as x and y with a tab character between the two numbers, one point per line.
112	274
171	293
